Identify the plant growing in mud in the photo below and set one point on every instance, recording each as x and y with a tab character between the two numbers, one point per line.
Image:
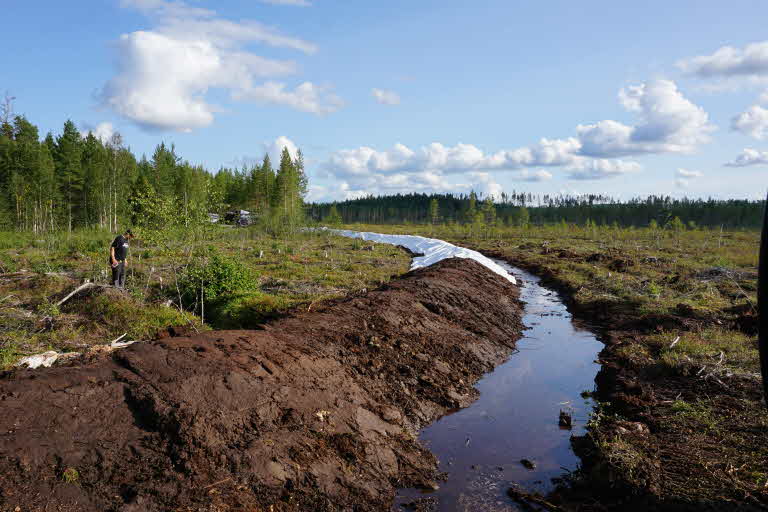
70	475
48	309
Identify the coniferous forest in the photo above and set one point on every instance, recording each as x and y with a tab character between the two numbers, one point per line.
522	208
66	181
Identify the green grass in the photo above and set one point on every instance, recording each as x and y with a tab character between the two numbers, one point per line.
705	348
284	273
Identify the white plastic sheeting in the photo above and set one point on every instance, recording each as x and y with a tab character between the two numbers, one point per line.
431	249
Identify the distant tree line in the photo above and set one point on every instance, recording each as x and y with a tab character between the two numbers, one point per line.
67	181
525	208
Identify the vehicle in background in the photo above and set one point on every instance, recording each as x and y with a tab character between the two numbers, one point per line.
238	218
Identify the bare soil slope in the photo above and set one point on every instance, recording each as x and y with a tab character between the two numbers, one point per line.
316	412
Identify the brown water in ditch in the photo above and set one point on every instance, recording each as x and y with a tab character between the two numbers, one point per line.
516	416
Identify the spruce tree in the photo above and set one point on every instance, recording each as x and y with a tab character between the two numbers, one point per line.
69	172
288	200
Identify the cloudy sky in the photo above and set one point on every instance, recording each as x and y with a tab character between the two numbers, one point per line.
415	95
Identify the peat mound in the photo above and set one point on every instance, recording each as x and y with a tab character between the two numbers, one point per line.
318	411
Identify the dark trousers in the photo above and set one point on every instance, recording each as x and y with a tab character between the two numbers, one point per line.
118	274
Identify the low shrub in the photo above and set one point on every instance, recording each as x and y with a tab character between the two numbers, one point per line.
217	276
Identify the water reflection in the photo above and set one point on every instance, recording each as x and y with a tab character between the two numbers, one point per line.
516	416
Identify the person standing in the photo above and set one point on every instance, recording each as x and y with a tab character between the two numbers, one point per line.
118	258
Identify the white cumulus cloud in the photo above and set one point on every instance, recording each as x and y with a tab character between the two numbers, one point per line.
728	61
275	149
386	97
306	97
749	157
669	123
533	176
466	157
598	169
428	168
752	122
486	185
102	131
165	73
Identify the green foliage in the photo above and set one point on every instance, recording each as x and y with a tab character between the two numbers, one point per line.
470	213
150	211
333	218
214	277
9	352
489	212
49	309
676	225
70	475
288	200
654	289
525	217
76	181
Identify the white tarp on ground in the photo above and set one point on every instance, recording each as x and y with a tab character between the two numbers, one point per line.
431	249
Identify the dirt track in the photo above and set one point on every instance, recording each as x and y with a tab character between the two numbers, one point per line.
316	412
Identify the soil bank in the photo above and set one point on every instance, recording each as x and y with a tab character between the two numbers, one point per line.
317	411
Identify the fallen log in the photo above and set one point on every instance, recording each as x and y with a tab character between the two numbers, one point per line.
84	286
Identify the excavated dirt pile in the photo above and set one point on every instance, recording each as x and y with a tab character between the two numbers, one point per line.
317	411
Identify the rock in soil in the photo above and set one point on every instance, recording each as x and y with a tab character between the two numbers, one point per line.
305	414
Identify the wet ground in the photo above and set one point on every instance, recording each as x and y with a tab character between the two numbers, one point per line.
517	414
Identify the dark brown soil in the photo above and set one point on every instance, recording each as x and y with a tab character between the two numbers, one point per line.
317	411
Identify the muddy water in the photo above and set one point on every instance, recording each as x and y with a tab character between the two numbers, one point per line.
516	416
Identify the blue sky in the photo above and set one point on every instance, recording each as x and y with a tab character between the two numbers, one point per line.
398	96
